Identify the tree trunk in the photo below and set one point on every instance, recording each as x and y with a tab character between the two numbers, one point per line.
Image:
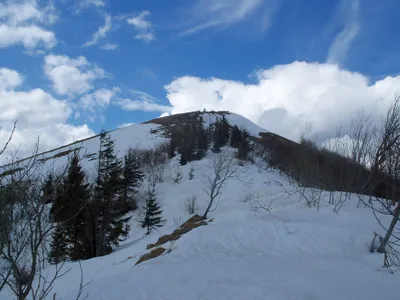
208	208
389	232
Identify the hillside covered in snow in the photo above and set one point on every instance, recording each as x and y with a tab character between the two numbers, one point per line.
266	237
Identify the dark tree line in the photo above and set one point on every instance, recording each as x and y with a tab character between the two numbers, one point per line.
193	140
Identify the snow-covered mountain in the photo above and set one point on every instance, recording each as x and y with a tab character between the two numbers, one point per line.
262	242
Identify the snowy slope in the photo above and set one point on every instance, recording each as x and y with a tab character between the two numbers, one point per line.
289	253
141	136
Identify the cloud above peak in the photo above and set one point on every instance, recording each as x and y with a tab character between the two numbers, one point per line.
287	99
142	101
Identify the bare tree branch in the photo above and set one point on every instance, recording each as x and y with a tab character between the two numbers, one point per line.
221	168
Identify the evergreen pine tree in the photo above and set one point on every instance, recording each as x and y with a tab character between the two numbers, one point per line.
224	131
48	189
183	159
245	145
77	190
59	208
202	141
152	213
191	173
132	179
236	137
59	245
110	227
72	196
187	147
172	146
217	142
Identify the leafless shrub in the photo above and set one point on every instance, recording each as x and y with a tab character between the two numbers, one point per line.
221	168
191	206
259	156
177	222
254	199
177	174
153	161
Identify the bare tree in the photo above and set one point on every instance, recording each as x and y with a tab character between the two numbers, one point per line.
362	135
191	206
221	168
25	232
259	155
385	167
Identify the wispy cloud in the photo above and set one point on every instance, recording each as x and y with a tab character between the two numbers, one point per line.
84	4
142	101
109	46
98	100
348	15
208	14
144	29
101	33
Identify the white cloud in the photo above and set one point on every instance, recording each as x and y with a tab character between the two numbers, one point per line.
84	4
21	23
37	114
142	101
109	46
207	14
348	15
164	114
285	99
71	75
98	100
125	125
9	79
142	26
101	33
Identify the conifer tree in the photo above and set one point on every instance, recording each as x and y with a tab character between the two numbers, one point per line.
49	189
59	207
132	179
110	227
77	190
224	131
191	173
152	213
217	135
236	137
183	159
172	146
202	141
59	245
187	147
72	197
245	145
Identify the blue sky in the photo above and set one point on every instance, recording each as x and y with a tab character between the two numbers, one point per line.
80	66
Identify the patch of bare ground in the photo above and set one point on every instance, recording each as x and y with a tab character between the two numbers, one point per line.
152	254
190	224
